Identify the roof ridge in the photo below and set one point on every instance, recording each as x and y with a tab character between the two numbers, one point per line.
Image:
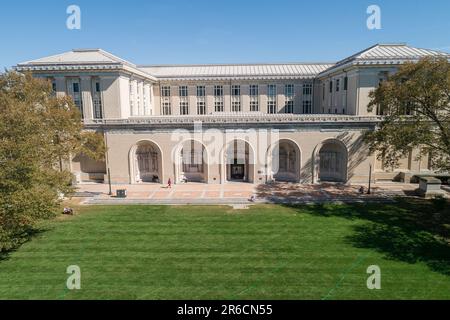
232	64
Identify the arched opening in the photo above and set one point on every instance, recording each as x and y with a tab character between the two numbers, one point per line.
332	162
146	160
285	161
193	164
239	162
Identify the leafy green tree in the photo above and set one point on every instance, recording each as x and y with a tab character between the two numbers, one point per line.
415	104
38	134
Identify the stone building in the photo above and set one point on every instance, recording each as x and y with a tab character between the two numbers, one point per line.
257	123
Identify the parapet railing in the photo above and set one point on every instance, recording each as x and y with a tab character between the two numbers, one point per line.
220	118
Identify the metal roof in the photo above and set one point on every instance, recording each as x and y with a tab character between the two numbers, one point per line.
236	71
387	54
391	54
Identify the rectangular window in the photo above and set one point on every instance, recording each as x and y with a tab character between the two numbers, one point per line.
218	91
201	92
254	105
183	91
166	108
254	97
73	88
271	98
289	106
338	81
235	90
307	107
97	100
254	90
307	89
218	99
323	91
271	90
201	107
271	107
331	86
289	90
184	107
218	106
345	83
165	91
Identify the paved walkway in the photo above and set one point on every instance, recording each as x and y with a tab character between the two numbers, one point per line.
236	193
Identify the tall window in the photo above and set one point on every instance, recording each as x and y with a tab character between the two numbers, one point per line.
345	83
289	96
271	98
307	106
131	98
307	98
254	97
218	98
235	98
165	100
165	91
201	102
338	83
73	89
184	103
183	91
323	91
97	99
331	86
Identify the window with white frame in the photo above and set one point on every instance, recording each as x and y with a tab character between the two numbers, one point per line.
307	89
201	91
97	99
218	98
289	98
201	100
271	98
166	108
184	107
165	101
307	98
184	103
235	98
165	91
74	90
131	98
183	91
307	106
254	97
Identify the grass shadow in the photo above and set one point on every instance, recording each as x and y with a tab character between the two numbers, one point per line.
408	230
20	240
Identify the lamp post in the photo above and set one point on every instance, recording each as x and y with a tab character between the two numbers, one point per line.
370	178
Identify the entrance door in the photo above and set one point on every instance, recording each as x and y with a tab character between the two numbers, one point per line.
237	171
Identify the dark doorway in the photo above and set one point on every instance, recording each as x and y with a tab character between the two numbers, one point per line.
237	171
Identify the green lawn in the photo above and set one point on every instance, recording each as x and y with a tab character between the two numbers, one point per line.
266	252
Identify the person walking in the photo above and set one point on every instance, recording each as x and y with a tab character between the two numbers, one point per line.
169	183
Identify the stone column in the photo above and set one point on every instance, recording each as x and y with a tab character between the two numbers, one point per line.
86	96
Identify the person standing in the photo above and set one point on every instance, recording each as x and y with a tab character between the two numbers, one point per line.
169	183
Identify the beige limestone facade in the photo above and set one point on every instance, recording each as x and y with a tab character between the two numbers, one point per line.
217	124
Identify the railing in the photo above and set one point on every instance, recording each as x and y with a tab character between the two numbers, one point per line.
236	117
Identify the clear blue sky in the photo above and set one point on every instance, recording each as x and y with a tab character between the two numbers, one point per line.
218	31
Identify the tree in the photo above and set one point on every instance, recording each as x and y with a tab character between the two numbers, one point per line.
38	133
415	104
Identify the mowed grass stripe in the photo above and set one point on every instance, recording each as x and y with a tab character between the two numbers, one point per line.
162	252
